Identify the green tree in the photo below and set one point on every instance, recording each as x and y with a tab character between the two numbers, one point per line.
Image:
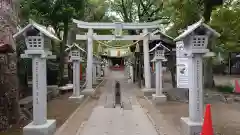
57	13
226	20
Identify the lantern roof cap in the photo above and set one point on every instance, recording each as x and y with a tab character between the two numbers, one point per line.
75	45
193	27
159	45
41	28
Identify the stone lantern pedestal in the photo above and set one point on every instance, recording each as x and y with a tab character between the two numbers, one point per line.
194	40
38	41
76	59
159	97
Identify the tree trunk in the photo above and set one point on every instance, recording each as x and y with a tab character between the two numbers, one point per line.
208	74
9	107
171	65
62	53
207	67
71	40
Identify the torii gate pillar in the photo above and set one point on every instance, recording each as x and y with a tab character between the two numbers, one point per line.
89	76
147	75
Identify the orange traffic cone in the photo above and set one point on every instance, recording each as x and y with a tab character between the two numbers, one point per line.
207	128
237	87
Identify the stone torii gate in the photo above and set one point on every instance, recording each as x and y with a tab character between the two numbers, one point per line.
118	27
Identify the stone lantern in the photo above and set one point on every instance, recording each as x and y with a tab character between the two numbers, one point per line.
38	40
76	59
99	69
159	57
194	41
95	69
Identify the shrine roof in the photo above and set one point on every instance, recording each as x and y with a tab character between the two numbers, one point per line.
39	27
193	27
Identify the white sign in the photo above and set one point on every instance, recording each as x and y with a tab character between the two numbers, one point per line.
182	72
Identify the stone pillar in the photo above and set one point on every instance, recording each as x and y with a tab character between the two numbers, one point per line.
89	74
196	89
159	97
94	72
39	90
40	125
106	69
76	82
158	68
102	70
193	123
110	63
146	60
131	73
99	71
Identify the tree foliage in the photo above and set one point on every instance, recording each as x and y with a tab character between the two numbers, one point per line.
226	20
138	10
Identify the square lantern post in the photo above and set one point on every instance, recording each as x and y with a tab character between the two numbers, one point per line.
195	40
159	57
94	70
127	64
76	59
102	68
99	68
38	41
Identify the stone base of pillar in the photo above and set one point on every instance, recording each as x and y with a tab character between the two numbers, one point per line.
189	127
48	128
77	99
130	81
54	89
99	78
69	86
148	91
87	92
159	99
95	83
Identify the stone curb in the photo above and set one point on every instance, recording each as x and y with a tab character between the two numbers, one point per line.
62	127
160	130
149	117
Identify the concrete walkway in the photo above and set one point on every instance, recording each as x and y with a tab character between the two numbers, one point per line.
129	120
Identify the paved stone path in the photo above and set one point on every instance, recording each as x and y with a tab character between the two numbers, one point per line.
129	120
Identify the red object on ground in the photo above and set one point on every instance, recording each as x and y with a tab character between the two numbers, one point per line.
80	71
117	68
237	87
207	128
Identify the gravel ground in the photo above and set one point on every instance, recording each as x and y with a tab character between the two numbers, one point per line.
225	116
59	108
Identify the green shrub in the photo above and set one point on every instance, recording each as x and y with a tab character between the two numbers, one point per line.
225	88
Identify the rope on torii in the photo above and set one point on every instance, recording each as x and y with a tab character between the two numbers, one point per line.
125	46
